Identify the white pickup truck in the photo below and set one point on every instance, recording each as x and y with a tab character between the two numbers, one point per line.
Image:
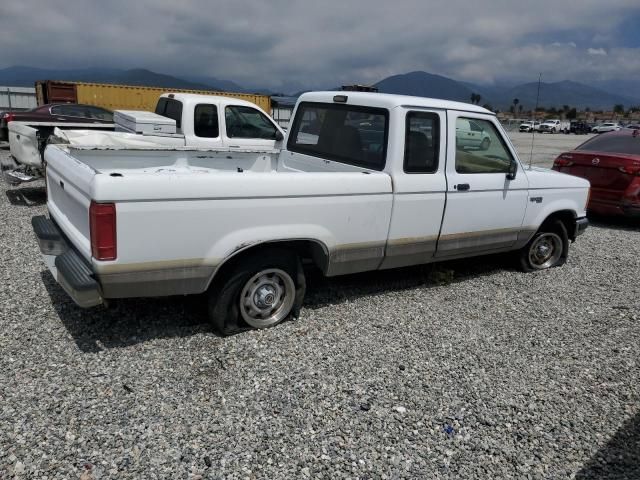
367	181
529	126
201	121
555	126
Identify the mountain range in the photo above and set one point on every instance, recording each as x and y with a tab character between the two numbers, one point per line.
555	94
21	76
602	96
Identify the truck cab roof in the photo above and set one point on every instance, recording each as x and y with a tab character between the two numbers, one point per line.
389	101
188	98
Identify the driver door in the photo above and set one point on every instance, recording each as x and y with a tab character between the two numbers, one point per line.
485	209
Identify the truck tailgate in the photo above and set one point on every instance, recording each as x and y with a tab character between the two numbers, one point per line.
70	185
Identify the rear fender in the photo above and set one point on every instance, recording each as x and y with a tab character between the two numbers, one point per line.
239	241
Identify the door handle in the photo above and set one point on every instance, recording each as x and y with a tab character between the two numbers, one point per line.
461	187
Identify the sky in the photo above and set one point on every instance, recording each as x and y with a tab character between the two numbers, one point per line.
318	44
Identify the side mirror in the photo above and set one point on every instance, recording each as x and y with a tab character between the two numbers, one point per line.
513	170
279	136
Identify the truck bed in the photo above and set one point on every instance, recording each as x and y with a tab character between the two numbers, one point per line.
184	210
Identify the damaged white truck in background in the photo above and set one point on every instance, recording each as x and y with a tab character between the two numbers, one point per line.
179	120
366	181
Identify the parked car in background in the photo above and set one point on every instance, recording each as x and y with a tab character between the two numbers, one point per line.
579	127
470	134
529	126
606	127
62	112
554	126
611	162
633	126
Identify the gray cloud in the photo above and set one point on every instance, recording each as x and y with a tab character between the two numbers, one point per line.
325	43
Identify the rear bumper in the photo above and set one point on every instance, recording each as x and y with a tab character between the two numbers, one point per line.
615	208
581	226
631	210
66	265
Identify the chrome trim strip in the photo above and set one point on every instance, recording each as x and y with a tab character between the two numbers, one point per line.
154	283
469	242
411	246
275	197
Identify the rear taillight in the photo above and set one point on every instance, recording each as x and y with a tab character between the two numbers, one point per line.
8	117
630	170
563	160
102	224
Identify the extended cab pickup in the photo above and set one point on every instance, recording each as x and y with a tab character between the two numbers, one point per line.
202	121
554	126
367	181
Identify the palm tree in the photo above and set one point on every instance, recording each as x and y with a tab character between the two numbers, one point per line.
515	103
475	98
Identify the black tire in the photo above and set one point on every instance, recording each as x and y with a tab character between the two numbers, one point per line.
485	144
535	256
270	270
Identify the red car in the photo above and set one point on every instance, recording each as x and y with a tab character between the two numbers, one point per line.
57	112
611	162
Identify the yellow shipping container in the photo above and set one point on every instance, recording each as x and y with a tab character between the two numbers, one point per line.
130	97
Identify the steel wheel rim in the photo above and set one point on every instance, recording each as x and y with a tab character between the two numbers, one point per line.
545	251
267	298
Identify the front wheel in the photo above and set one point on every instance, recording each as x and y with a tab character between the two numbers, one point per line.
261	290
548	248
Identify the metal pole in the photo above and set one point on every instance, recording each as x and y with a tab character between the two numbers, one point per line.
534	122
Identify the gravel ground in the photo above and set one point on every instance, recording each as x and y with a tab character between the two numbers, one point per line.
467	369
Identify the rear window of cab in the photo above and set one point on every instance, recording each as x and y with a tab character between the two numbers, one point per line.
348	134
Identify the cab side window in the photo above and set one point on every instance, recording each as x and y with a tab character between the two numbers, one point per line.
247	122
205	121
422	142
480	148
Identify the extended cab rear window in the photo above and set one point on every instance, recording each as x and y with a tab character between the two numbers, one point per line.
421	143
170	108
348	134
205	121
628	144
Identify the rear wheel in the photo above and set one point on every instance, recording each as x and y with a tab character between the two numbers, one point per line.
548	248
261	290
